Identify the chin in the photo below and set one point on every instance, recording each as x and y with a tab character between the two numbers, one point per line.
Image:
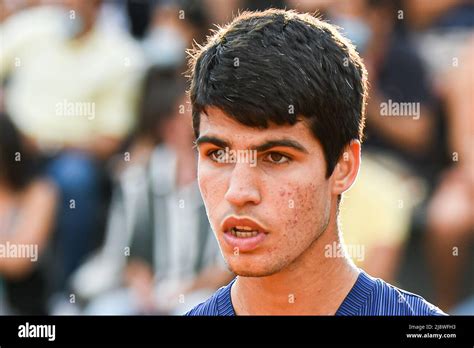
251	266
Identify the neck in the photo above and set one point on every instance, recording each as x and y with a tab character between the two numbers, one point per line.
312	285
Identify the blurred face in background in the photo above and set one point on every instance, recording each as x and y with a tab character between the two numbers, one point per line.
352	17
82	16
171	16
169	35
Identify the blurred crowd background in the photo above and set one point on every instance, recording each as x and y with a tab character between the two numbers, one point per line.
98	170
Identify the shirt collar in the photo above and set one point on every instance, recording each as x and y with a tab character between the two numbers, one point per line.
354	301
357	297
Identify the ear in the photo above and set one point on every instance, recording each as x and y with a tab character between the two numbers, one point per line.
346	169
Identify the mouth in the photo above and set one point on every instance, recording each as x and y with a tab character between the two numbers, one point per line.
243	234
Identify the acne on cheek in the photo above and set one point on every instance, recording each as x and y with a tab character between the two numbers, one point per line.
296	198
301	212
289	206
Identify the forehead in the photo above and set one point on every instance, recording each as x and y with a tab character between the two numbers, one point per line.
217	123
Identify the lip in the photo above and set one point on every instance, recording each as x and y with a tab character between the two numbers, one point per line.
243	244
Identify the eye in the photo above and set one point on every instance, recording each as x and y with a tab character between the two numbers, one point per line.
277	158
216	155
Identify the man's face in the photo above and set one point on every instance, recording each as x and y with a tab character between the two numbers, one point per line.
281	203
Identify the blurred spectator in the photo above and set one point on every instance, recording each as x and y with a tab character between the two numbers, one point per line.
159	243
444	32
375	216
71	88
174	27
396	149
84	98
27	208
397	76
420	141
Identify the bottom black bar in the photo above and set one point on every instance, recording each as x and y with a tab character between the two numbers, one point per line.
148	330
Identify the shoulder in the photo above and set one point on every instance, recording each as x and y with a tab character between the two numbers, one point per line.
387	299
218	304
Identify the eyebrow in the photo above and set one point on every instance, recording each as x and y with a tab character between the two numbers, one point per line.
212	140
280	142
259	148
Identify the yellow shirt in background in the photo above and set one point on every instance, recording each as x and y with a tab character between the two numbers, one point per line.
63	91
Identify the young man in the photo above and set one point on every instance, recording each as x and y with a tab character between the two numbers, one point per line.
278	110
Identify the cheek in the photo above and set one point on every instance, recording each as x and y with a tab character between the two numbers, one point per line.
302	211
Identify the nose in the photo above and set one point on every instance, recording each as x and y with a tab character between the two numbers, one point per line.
243	186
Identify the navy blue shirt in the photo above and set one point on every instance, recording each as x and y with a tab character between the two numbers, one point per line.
368	296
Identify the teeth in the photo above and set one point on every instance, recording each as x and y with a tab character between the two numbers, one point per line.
244	228
240	234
